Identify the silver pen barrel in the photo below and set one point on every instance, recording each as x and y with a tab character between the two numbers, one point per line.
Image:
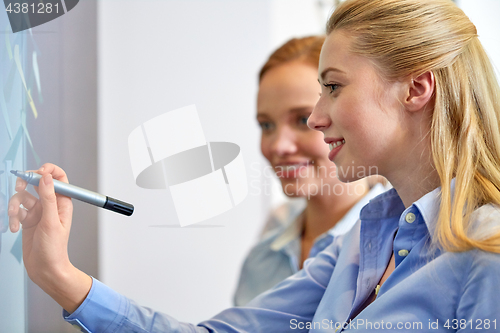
66	189
79	193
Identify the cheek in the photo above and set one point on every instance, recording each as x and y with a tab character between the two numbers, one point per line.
341	111
313	143
354	119
347	109
265	147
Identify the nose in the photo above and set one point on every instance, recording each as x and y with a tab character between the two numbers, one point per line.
285	142
319	120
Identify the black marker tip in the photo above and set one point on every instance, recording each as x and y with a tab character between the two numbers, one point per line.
14	172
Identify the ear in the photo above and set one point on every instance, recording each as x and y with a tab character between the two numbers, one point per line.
420	91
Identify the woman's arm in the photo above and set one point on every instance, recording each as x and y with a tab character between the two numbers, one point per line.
97	308
46	226
291	304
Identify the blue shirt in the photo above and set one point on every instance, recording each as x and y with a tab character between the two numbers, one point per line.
428	291
277	255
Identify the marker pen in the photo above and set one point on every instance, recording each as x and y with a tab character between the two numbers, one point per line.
79	193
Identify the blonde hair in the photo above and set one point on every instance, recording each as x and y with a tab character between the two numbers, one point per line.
305	49
407	38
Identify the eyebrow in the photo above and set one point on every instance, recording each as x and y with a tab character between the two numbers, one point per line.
301	109
330	69
292	110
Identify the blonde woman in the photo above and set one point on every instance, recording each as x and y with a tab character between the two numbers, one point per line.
288	92
407	87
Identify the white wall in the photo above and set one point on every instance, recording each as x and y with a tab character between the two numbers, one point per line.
485	15
154	57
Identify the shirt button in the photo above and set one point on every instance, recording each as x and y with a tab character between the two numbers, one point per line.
410	217
403	253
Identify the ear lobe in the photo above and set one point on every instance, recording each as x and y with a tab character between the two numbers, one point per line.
421	90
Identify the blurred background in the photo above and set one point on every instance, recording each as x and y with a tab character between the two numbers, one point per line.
73	89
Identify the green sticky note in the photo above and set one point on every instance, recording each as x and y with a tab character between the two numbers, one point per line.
37	74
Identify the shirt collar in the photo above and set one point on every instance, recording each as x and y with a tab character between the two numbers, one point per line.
294	229
429	204
390	205
352	216
483	221
290	232
386	205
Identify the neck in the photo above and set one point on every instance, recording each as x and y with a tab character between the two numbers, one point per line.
415	175
416	178
324	211
411	189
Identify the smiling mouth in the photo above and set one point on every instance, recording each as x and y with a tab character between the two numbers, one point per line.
290	170
334	145
292	167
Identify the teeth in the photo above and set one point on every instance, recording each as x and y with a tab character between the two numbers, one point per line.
336	144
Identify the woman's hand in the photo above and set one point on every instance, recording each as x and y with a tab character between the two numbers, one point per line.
46	226
46	223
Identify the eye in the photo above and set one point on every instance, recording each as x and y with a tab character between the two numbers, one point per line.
332	87
266	126
303	120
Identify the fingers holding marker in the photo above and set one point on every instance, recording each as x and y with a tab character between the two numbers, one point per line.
20	185
13	211
57	208
13	218
59	205
26	199
56	172
26	209
63	207
22	207
48	197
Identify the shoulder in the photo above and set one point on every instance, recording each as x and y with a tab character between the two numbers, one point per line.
282	216
476	269
478	273
484	222
349	241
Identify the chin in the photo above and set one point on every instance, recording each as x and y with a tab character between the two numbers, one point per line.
348	179
350	173
294	195
294	188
